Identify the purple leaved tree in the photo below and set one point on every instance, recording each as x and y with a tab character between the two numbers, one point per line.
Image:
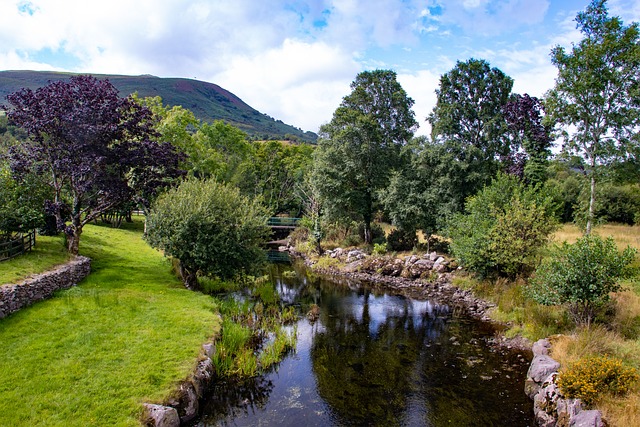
96	149
524	115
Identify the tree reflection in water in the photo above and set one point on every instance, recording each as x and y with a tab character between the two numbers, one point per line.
374	359
367	361
230	399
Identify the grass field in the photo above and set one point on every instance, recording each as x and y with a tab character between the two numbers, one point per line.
93	354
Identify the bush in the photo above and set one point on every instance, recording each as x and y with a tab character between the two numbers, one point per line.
618	203
402	240
581	276
590	377
505	227
210	228
379	249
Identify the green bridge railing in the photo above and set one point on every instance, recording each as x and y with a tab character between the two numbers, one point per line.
281	221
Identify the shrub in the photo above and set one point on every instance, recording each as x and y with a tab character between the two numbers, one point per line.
505	227
210	227
618	203
590	377
379	249
402	240
581	276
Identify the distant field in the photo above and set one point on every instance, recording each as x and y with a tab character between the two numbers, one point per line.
624	235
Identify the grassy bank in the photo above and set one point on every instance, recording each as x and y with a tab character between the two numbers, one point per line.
93	354
48	252
617	333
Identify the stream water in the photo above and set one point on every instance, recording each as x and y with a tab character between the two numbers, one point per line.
377	359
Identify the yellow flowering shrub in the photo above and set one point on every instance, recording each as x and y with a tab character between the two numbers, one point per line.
590	377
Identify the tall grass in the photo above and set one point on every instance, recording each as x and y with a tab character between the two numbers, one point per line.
624	235
93	354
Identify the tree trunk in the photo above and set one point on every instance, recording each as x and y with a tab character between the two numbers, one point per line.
368	216
73	241
592	202
367	232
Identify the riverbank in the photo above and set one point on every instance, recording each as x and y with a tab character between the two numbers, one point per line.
615	335
385	272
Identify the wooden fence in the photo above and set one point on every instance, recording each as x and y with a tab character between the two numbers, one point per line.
17	246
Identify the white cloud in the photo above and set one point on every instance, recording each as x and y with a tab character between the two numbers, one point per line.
421	86
302	82
485	17
293	60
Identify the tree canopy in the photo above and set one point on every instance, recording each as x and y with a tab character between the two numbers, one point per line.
360	146
468	122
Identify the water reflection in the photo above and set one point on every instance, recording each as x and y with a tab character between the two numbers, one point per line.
376	359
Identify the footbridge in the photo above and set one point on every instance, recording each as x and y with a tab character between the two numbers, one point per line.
283	222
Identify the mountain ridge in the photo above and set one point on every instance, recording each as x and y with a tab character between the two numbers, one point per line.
207	101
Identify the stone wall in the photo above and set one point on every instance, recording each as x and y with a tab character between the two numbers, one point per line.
42	286
551	409
184	405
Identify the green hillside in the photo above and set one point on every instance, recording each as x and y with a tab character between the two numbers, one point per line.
207	101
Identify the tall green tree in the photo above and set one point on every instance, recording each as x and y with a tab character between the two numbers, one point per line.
418	194
274	171
468	122
360	146
219	151
595	101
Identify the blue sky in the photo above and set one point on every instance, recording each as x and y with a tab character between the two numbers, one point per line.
294	59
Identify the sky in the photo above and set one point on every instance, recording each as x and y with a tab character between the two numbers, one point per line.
295	59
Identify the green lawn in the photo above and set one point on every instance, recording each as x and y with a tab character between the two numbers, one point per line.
93	354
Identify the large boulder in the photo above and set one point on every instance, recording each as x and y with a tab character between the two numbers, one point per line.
541	367
161	416
541	347
417	268
393	268
591	418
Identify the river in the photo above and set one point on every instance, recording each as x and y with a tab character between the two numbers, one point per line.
372	358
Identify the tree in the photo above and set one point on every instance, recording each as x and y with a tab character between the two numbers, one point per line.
413	199
468	122
524	117
221	150
360	146
89	143
22	204
581	275
273	171
595	100
210	228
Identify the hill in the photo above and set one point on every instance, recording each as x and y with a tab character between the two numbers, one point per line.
207	101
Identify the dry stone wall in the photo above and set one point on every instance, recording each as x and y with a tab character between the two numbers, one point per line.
551	409
13	297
